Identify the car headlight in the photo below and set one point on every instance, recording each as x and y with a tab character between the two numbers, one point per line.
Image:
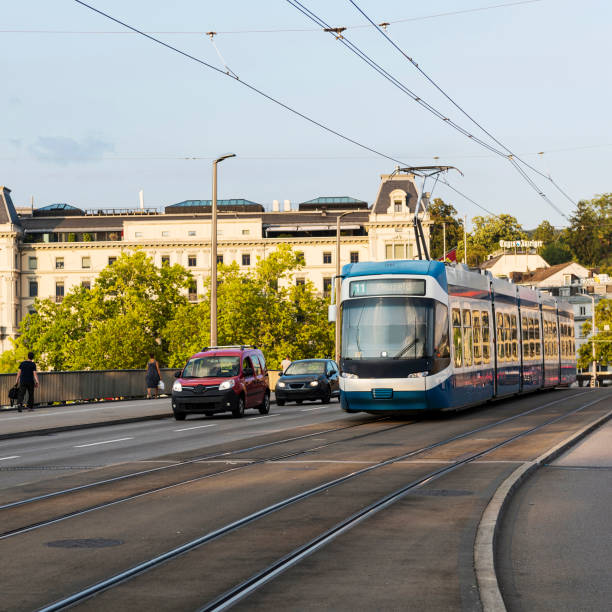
418	375
177	386
314	383
280	384
348	375
227	384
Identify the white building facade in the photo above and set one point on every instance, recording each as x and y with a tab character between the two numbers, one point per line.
49	251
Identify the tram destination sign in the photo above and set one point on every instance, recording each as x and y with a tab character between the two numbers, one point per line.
387	286
510	244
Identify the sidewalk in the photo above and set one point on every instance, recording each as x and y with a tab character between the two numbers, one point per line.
47	420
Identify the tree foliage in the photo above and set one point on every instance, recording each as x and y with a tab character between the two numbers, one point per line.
486	234
261	307
556	253
442	213
590	232
603	337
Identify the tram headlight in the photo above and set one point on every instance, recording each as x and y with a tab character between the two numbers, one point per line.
418	374
348	375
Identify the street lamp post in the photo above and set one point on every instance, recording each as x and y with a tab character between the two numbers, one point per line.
337	288
213	252
594	379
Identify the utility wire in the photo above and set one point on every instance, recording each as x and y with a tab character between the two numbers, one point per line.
338	34
455	104
265	95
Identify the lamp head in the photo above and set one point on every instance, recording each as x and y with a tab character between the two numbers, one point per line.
220	159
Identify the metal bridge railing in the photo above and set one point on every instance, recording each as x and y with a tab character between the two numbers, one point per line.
87	385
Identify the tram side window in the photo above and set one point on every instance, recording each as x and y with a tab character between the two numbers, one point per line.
514	331
528	338
477	337
525	329
467	337
536	335
441	345
486	337
501	353
507	337
457	343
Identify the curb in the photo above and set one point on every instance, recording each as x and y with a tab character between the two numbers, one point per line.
486	534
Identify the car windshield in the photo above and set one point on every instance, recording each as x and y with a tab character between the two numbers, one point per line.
387	327
212	367
305	367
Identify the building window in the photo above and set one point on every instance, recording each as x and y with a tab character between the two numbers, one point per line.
246	232
32	263
327	257
327	285
219	259
85	262
191	233
397	206
138	234
59	263
193	291
165	260
59	291
246	259
583	310
354	257
86	284
300	257
111	260
165	234
192	261
33	288
300	282
567	279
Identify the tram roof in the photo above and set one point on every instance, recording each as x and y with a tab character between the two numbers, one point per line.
398	266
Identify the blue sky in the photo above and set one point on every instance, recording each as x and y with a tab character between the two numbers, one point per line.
90	118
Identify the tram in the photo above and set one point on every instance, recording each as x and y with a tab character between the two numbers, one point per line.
427	336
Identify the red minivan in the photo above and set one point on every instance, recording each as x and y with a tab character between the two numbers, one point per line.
222	379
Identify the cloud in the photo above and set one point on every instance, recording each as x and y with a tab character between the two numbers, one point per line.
62	150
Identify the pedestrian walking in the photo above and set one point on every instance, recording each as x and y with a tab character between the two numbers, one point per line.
27	379
153	376
285	363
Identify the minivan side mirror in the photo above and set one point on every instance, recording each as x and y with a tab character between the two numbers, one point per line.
177	374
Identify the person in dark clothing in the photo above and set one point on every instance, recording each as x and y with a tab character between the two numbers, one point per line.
27	379
153	376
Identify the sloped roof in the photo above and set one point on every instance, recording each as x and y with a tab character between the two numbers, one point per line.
490	262
389	184
198	203
541	274
8	214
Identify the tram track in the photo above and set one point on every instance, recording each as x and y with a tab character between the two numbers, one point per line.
245	587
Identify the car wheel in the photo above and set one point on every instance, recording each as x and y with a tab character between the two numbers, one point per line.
298	402
238	411
209	413
264	408
280	402
179	416
327	397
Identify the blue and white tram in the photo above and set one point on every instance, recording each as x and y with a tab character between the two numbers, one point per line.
422	335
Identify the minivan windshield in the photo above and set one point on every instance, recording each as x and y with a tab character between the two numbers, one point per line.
222	366
305	367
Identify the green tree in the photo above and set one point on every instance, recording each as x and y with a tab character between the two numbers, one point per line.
590	232
603	337
556	253
545	232
488	231
442	213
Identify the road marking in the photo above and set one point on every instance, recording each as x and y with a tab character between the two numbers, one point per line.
105	442
11	457
315	408
196	427
267	416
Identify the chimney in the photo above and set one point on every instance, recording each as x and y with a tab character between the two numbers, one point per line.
286	205
275	206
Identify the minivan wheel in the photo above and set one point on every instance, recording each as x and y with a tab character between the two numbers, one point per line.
264	408
238	411
179	416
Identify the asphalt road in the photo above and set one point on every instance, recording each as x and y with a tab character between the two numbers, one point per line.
36	458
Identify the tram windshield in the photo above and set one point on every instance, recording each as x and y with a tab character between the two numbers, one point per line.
394	328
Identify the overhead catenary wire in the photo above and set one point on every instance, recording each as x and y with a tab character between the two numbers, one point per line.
263	94
384	33
362	55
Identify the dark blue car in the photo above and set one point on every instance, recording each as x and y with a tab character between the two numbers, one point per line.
308	379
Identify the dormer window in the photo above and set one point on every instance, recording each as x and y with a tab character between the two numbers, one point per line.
397	206
397	202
